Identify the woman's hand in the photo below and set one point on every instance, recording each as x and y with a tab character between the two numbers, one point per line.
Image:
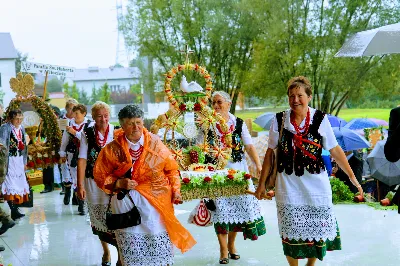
260	191
259	168
81	193
71	130
177	198
126	183
360	190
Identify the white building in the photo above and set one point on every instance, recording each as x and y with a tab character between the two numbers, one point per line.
116	78
8	54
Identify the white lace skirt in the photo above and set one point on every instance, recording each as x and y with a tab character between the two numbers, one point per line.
97	202
145	244
237	209
304	206
15	181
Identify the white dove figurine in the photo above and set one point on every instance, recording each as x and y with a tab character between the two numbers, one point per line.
189	87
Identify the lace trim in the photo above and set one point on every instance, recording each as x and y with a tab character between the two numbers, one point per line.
236	209
306	222
97	213
145	249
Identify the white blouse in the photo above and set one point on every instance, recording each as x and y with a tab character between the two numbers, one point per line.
83	149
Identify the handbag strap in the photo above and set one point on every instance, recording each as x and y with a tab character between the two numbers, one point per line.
112	194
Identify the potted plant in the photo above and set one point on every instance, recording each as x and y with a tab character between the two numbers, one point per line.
388	199
359	198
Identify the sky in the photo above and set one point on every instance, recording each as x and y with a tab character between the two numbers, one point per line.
74	33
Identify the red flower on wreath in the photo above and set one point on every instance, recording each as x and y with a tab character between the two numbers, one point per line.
210	168
30	164
182	107
47	160
186	180
230	177
38	161
197	107
207	179
247	176
55	160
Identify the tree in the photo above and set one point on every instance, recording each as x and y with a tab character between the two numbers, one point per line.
83	97
21	57
67	89
221	33
105	93
94	96
302	37
54	85
122	96
74	92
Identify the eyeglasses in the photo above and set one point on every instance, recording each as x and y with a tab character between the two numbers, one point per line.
219	102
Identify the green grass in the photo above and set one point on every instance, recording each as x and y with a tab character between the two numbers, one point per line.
346	114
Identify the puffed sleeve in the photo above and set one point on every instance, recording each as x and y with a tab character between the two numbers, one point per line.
328	137
83	148
273	136
246	137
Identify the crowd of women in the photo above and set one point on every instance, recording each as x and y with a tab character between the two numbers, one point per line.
127	168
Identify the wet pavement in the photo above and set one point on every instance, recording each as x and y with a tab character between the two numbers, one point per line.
54	234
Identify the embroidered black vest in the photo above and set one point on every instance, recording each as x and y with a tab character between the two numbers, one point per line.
93	150
237	143
13	149
72	146
288	158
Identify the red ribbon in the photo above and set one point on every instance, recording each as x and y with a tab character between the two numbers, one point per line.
298	142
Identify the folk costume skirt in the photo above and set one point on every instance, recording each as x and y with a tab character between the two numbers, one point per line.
15	186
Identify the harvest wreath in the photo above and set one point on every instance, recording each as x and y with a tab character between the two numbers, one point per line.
40	155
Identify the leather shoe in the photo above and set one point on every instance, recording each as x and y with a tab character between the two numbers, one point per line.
6	226
2	248
45	191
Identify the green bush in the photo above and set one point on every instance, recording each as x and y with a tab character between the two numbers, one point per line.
340	191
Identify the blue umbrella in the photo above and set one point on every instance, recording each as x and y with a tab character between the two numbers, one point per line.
336	121
265	120
361	123
350	140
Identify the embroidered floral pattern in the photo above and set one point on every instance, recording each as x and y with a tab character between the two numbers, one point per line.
295	160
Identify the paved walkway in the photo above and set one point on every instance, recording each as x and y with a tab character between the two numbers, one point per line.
54	234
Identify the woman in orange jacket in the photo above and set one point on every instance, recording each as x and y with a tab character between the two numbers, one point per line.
153	183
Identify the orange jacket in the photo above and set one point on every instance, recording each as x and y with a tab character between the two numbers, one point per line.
156	173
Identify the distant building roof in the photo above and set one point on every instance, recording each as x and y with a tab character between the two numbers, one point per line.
95	73
7	49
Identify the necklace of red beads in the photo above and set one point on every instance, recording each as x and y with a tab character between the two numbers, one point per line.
136	154
298	128
102	142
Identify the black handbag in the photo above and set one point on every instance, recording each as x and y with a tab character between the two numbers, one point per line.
210	204
27	204
122	220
